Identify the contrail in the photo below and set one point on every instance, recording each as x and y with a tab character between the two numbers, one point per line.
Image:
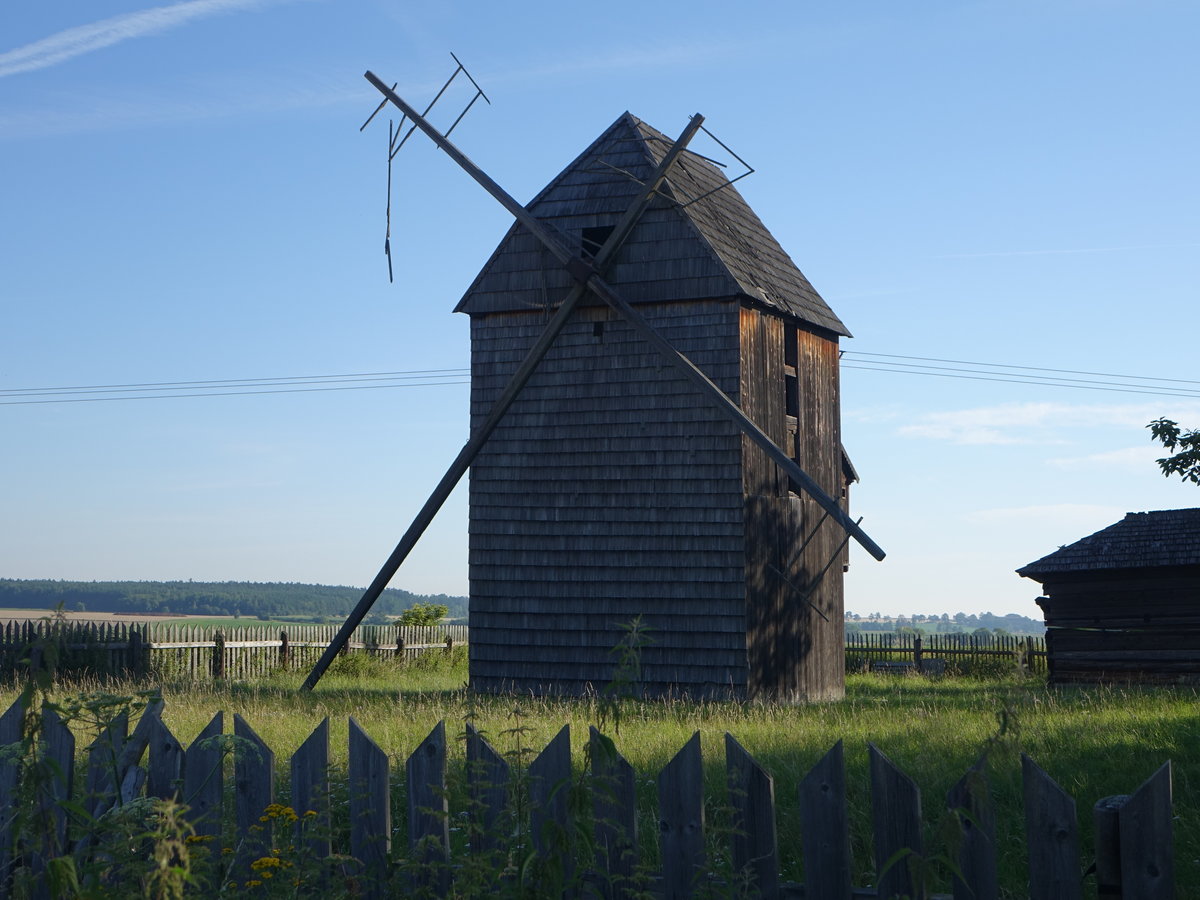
83	39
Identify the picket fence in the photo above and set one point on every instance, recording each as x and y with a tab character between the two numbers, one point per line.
944	652
159	652
1133	844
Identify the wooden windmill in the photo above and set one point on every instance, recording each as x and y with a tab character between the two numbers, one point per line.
655	433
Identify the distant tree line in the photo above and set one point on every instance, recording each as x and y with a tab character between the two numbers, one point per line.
1010	623
212	598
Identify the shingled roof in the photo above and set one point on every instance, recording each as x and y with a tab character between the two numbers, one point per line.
711	249
1165	537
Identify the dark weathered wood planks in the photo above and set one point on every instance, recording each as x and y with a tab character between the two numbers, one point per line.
1134	852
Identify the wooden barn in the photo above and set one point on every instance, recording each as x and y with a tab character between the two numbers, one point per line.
1124	603
613	489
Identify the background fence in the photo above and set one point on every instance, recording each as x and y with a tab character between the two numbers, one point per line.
189	651
953	653
162	651
520	813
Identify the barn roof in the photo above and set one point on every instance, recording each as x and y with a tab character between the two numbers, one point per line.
713	248
1165	537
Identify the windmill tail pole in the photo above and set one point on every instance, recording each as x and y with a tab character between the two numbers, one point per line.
524	372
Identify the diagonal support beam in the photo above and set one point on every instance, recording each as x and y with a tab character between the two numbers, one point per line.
471	449
586	274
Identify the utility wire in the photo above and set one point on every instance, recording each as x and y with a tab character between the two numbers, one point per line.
890	363
1017	374
857	353
287	384
1148	390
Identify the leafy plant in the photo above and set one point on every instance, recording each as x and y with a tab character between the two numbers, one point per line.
1186	462
423	614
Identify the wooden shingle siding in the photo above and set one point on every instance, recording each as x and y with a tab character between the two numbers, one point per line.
716	247
611	490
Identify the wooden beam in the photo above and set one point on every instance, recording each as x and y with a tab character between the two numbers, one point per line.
584	273
516	384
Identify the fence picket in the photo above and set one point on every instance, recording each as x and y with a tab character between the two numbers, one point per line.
166	762
10	772
204	778
681	821
896	821
549	780
370	809
53	795
59	750
754	846
614	811
254	788
429	812
970	801
1147	860
310	791
825	827
487	785
103	755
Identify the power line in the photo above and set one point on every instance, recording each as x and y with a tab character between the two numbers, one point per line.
1017	374
1010	366
284	384
890	363
229	381
1113	389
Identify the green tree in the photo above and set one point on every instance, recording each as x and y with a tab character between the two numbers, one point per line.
423	614
1186	462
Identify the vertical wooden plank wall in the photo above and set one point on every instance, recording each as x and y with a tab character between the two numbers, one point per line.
794	608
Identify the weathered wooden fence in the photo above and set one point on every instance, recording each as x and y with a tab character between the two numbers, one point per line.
937	652
190	651
1133	849
161	651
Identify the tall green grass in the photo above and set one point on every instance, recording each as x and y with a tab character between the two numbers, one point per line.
1094	741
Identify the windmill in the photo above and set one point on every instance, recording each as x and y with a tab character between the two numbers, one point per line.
579	263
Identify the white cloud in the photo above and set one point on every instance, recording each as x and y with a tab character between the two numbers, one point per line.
73	42
1039	423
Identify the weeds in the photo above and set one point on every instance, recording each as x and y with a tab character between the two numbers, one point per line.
1096	741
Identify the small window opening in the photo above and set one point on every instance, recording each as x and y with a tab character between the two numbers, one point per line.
598	330
792	398
790	349
593	239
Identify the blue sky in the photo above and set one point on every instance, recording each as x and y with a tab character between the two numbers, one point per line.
187	197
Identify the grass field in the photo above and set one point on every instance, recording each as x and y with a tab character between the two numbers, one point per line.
1094	741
